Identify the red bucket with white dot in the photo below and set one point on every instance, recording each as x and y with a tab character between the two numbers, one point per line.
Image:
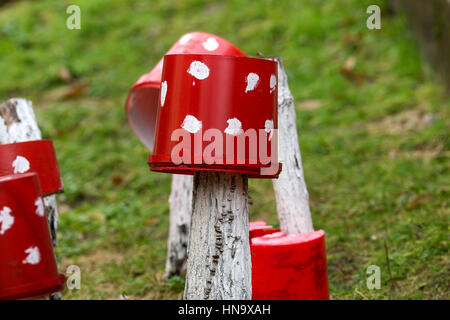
32	156
217	113
142	102
27	262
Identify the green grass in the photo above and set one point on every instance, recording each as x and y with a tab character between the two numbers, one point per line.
375	152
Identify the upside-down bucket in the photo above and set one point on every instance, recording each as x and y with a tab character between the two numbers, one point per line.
217	113
27	265
142	102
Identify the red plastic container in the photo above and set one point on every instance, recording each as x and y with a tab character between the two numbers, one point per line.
289	266
230	96
142	102
260	228
32	156
27	265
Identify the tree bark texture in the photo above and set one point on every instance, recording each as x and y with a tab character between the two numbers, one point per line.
180	223
219	262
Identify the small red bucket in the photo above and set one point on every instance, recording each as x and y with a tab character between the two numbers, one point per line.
289	266
231	101
32	156
28	265
142	102
260	228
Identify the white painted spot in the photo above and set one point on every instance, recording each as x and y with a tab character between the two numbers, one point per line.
268	127
191	124
185	39
252	81
6	220
234	127
211	44
199	70
39	207
273	82
163	92
21	165
34	256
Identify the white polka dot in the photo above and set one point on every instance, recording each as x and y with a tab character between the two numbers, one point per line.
198	70
252	81
163	92
6	220
39	207
273	82
234	127
33	257
21	165
185	39
191	124
211	44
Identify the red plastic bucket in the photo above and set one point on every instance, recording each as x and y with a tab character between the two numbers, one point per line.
32	156
28	264
260	228
289	266
229	96
142	102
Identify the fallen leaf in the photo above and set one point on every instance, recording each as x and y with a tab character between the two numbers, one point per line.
76	90
159	276
350	64
152	220
65	75
309	104
418	201
66	92
348	71
117	180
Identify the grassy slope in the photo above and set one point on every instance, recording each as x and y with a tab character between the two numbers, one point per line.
375	154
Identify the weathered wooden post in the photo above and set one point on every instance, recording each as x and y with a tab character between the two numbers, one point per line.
290	188
180	224
212	98
219	263
141	108
23	150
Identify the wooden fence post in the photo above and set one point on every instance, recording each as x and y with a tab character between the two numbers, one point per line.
18	124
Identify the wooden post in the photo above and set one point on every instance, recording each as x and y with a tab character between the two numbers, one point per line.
291	194
180	223
219	262
18	124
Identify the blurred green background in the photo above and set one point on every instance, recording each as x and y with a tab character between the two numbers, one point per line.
372	122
